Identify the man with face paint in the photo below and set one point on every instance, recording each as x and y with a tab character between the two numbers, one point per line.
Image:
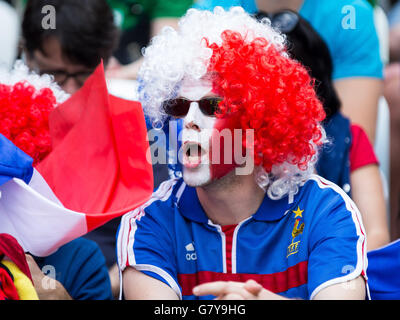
249	219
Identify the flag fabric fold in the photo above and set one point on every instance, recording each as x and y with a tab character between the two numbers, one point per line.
97	170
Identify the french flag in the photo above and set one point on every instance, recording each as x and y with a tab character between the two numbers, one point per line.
97	170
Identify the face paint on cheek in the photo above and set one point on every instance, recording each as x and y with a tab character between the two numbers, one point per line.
222	148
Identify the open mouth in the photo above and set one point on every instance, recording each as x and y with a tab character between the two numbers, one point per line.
192	153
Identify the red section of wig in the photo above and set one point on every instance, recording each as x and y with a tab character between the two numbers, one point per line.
24	113
271	94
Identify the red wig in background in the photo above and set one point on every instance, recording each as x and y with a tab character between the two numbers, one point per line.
24	117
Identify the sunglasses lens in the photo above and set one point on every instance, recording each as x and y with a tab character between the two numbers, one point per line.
180	107
176	107
209	106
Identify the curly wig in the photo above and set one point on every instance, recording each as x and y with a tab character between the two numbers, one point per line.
250	68
26	101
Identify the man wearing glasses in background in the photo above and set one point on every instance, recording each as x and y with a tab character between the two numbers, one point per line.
84	34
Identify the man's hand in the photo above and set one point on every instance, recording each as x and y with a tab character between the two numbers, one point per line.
48	292
251	290
230	290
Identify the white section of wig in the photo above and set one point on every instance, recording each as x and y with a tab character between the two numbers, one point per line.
285	179
21	72
175	54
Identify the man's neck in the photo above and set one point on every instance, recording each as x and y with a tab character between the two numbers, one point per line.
272	6
231	199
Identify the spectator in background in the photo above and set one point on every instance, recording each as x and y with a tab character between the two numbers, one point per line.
84	35
341	161
394	24
392	95
79	269
139	21
9	34
347	26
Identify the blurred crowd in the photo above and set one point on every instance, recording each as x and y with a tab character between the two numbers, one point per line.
357	67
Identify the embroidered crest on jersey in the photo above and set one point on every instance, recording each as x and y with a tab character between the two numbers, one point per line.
298	228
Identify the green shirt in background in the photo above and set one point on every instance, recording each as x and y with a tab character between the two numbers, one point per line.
129	12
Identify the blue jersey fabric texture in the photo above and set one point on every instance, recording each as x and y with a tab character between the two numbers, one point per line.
383	265
294	249
347	26
80	267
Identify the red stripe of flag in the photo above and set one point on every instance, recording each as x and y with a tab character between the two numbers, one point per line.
276	282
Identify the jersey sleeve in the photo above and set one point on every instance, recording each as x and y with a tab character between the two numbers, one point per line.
80	267
91	281
361	152
145	243
337	242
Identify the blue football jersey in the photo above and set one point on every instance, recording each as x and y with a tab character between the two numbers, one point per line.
294	249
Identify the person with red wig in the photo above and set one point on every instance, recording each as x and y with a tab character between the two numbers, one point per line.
249	219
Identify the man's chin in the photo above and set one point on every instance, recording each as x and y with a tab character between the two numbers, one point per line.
202	176
198	177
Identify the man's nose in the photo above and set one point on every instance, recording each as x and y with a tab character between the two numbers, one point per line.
191	121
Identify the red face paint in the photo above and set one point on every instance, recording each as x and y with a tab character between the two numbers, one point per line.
224	150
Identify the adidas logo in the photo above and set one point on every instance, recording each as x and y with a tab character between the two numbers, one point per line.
190	253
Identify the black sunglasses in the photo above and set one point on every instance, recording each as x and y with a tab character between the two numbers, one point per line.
285	21
180	107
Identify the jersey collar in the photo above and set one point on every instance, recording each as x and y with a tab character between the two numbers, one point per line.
189	204
269	210
272	210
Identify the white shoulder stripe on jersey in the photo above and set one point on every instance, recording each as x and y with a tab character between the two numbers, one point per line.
223	244
234	244
163	274
180	191
126	235
125	238
361	243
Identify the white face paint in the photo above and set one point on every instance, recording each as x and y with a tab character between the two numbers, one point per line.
196	134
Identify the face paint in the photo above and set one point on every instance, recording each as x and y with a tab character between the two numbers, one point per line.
223	147
196	134
208	143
